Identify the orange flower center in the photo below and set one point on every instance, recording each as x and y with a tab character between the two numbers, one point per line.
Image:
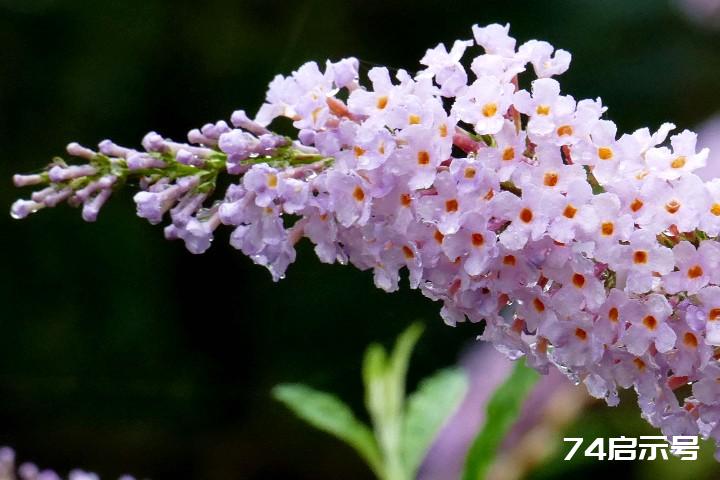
690	340
508	154
539	305
423	157
359	194
526	215
570	211
636	205
382	102
672	207
581	334
639	364
640	257
550	179
607	228
564	130
695	271
477	239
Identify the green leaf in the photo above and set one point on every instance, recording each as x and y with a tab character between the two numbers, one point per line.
328	413
374	373
384	378
427	410
502	411
400	358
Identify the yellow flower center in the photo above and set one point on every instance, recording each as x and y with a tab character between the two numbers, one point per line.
605	153
382	102
564	131
508	154
679	162
489	109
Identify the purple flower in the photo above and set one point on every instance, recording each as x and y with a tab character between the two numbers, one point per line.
494	198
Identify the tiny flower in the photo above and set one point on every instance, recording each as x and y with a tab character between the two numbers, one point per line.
648	325
710	218
495	39
545	64
670	165
679	203
578	218
640	260
529	215
611	317
264	182
550	173
695	267
446	68
544	107
349	197
484	104
474	245
710	303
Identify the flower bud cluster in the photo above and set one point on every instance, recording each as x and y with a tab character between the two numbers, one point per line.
578	247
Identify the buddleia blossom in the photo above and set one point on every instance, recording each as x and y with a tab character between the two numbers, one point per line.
577	246
29	471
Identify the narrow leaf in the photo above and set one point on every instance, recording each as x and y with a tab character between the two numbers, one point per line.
328	413
428	408
402	352
374	374
502	410
384	377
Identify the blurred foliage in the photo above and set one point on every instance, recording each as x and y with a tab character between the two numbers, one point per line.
503	410
403	427
123	352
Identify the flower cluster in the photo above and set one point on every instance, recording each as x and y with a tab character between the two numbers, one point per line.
494	198
29	471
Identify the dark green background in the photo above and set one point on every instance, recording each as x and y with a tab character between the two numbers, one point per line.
120	351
